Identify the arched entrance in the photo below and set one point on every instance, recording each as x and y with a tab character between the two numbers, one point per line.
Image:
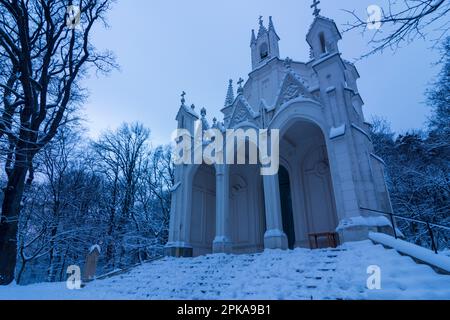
203	217
246	209
303	149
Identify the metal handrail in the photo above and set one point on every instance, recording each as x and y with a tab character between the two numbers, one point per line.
428	224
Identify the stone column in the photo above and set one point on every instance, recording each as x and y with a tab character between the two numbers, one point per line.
222	243
275	238
180	214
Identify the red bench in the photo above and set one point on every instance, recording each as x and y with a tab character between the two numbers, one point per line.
332	239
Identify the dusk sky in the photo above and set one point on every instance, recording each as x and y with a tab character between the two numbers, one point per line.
165	47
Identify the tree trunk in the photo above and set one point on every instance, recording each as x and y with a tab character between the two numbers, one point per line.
52	254
19	274
9	223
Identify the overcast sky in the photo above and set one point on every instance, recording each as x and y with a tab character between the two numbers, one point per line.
166	46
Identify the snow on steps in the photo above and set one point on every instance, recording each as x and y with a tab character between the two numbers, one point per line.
440	263
125	270
299	274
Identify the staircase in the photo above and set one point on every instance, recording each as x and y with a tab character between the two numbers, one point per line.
335	274
299	274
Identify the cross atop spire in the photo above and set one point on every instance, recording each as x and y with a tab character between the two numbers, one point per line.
315	7
183	99
240	89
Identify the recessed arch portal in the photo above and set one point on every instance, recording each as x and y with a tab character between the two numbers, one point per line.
203	211
247	209
303	148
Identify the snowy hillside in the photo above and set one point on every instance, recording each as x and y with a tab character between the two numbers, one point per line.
299	274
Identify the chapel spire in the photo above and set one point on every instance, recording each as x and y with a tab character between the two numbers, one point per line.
265	45
230	94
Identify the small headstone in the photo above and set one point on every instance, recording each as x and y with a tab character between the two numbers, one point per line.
90	265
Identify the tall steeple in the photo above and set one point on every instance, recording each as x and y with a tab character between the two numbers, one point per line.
265	45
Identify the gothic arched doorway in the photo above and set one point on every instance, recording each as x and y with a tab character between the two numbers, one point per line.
247	209
203	217
303	149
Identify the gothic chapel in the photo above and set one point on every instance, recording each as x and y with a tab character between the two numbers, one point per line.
328	170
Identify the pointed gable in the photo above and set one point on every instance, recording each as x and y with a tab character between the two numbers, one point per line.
184	110
293	87
242	112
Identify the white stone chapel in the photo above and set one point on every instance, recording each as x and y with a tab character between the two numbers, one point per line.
328	170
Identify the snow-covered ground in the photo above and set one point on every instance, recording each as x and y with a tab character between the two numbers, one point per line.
298	274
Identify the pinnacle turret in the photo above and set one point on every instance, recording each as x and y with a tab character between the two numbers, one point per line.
272	27
253	41
230	94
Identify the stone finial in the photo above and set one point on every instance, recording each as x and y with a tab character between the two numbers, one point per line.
253	41
193	107
203	112
288	63
271	26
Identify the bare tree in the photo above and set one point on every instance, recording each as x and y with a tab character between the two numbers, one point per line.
121	154
404	21
63	213
154	193
57	160
43	58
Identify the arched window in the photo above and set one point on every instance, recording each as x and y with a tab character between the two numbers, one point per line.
264	51
323	45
